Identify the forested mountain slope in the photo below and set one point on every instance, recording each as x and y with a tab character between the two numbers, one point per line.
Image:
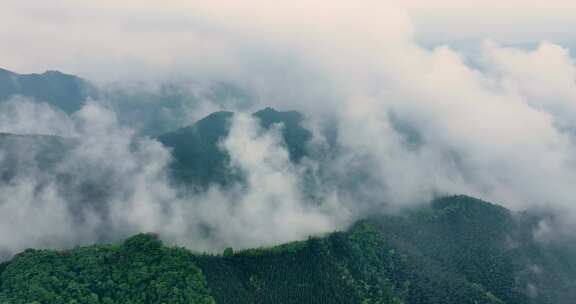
456	250
198	157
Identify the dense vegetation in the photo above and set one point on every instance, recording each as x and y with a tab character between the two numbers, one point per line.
458	250
140	270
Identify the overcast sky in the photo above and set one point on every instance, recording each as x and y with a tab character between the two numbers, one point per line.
107	40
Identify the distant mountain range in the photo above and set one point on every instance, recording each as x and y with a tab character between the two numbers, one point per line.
150	109
66	92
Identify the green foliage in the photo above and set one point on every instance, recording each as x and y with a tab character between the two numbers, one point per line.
464	250
228	252
139	271
305	272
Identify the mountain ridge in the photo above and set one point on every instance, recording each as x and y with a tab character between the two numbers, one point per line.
64	91
388	259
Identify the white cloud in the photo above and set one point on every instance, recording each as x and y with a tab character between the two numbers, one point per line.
108	40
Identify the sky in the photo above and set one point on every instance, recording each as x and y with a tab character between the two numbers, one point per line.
111	40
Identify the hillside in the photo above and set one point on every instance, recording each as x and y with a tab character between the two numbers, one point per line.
199	160
456	250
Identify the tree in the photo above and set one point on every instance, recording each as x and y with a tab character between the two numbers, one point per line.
228	252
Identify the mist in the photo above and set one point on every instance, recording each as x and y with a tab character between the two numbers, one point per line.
413	122
109	183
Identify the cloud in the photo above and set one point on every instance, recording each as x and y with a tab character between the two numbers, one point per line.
268	208
157	107
110	183
545	77
22	116
107	41
67	200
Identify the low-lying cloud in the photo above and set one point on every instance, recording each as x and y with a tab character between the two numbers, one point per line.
111	183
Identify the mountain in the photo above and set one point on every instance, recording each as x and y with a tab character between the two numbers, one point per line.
197	157
148	108
199	160
455	250
65	92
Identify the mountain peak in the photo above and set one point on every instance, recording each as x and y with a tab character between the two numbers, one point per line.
4	72
55	73
219	118
46	73
272	111
63	91
270	115
267	110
